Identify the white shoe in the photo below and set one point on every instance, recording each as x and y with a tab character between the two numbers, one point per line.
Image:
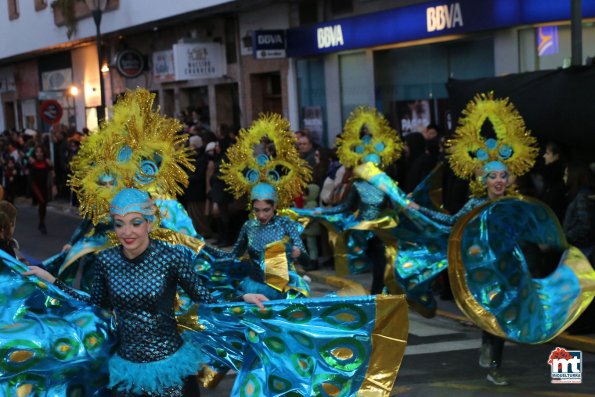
494	376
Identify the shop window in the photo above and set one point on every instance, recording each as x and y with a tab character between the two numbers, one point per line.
353	79
40	5
308	12
341	6
312	97
13	9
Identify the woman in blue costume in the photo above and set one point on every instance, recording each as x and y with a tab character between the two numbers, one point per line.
498	236
295	343
496	179
138	281
362	222
272	241
139	148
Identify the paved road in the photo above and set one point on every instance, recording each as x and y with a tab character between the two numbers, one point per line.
61	221
441	356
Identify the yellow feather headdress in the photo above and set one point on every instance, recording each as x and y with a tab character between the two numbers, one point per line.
138	148
284	169
382	141
513	145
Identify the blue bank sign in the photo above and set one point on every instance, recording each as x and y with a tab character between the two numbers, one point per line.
268	44
427	20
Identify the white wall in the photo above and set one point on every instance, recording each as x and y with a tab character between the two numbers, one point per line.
35	30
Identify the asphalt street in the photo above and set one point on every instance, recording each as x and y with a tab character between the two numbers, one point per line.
441	356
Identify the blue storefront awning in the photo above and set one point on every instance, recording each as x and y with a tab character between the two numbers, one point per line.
423	21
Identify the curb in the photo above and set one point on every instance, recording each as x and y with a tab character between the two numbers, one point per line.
348	287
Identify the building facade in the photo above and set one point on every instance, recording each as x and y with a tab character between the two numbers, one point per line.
398	56
313	61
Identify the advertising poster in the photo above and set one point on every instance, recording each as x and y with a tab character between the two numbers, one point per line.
312	121
413	116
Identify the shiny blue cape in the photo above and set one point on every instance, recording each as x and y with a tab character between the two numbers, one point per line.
492	252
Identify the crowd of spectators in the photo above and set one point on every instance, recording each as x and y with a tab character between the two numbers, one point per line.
36	165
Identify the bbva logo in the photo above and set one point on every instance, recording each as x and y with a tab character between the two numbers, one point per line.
330	36
444	17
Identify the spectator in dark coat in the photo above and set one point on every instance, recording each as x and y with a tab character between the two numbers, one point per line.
579	221
554	190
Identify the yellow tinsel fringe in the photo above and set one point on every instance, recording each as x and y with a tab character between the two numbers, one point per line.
509	128
155	161
240	159
380	132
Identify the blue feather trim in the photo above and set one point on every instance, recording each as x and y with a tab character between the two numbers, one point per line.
154	376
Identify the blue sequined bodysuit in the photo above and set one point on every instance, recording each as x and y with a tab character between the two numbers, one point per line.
372	201
142	293
254	237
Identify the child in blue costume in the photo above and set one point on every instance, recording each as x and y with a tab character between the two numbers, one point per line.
272	241
256	234
138	281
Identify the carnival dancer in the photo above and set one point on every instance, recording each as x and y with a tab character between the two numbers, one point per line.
498	236
273	241
138	281
139	148
359	227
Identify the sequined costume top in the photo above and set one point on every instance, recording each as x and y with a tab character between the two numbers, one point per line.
142	292
371	201
254	238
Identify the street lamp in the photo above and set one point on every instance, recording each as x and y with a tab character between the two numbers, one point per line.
97	7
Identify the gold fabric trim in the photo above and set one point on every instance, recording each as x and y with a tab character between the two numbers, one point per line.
582	268
70	259
389	340
176	238
209	377
276	267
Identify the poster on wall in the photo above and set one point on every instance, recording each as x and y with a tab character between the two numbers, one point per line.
55	80
199	61
547	40
163	65
413	116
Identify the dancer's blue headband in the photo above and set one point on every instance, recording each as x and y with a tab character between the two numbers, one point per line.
133	200
494	166
263	191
